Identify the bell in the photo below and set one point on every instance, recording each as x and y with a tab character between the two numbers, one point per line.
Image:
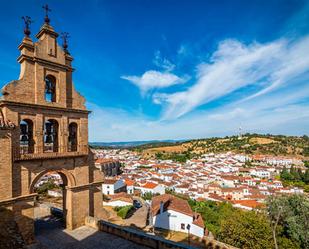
48	139
48	128
24	138
72	137
23	128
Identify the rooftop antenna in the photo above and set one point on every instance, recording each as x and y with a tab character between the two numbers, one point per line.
240	132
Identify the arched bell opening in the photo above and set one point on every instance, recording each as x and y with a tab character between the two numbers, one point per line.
51	139
50	88
72	139
26	141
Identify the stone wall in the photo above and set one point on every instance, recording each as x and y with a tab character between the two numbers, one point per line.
10	236
148	240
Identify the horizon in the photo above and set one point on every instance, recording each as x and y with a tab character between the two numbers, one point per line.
188	139
170	70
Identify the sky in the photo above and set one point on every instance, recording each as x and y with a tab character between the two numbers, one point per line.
178	69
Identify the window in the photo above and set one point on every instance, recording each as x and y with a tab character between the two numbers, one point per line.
51	136
183	226
50	88
72	143
26	141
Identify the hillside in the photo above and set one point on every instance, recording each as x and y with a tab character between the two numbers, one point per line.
248	144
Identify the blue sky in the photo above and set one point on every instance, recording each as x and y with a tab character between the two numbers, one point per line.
178	69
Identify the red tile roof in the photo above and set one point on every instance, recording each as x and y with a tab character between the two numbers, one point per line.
150	185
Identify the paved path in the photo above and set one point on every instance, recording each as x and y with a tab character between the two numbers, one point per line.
51	235
139	217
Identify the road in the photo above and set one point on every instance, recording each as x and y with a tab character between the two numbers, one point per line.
139	218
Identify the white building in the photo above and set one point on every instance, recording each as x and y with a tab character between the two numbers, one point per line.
172	213
130	186
152	188
260	172
112	186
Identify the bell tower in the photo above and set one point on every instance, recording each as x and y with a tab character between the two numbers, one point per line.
48	132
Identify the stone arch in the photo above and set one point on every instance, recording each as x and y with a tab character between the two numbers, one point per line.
68	181
67	178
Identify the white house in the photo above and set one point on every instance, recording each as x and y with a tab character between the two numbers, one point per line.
152	188
112	186
260	172
130	186
172	213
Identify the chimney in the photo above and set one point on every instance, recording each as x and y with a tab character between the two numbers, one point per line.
161	207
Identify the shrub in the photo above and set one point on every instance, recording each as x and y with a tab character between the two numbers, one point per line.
123	212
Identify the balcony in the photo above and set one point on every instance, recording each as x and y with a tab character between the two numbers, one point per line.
48	152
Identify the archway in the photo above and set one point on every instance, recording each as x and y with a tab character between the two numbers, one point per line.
51	205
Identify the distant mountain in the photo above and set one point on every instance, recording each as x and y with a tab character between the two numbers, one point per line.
248	144
131	144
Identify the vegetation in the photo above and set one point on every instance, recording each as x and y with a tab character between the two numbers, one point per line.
248	143
124	212
148	196
284	222
295	177
289	216
49	185
246	230
177	157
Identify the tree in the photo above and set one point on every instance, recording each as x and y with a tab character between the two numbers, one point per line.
306	177
291	214
246	230
285	175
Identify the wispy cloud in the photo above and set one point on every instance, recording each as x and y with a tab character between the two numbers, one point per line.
162	62
154	80
235	65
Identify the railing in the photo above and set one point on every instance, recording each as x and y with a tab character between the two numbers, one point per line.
25	152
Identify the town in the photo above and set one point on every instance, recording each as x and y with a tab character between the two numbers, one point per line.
242	180
215	177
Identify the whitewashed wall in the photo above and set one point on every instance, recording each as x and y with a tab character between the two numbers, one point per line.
171	220
117	203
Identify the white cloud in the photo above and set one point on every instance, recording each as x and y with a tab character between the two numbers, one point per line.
276	73
163	63
117	125
235	65
154	79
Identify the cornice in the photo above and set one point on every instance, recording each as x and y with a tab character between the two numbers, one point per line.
23	57
38	106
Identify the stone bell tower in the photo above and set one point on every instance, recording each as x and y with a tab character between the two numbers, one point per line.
44	128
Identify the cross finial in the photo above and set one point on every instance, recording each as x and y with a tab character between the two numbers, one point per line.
47	9
65	36
27	21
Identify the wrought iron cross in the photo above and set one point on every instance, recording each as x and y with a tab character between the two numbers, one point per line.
27	21
47	9
65	36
